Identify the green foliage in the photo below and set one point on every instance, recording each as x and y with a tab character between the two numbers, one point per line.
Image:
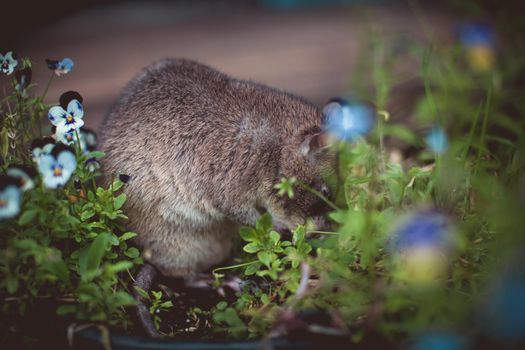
67	245
156	306
285	186
356	273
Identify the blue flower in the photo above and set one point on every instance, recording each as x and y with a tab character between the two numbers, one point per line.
67	137
437	140
10	197
60	67
69	114
25	174
40	147
56	168
8	62
348	121
438	340
23	78
423	229
92	165
475	34
478	42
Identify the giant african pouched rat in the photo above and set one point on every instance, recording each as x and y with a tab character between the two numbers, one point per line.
204	152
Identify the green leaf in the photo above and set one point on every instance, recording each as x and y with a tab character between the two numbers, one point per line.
113	239
251	269
264	224
338	216
127	235
87	214
248	234
27	216
119	200
95	154
59	269
265	299
157	295
118	266
12	285
274	237
252	247
222	305
132	252
166	304
265	257
142	293
95	253
66	309
117	185
120	298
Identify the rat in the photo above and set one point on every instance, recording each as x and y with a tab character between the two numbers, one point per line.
204	151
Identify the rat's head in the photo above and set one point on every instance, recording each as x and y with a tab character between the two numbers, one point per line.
309	158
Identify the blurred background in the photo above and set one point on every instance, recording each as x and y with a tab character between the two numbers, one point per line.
307	47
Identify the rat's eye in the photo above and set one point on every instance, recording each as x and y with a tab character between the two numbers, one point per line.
324	190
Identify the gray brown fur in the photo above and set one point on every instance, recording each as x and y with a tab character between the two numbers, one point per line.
204	151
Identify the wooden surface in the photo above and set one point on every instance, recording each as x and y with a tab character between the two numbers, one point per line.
310	52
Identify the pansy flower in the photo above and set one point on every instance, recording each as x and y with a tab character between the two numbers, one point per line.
476	34
23	78
421	244
92	165
25	174
10	196
348	121
478	40
40	147
425	228
67	137
56	168
68	115
124	178
437	140
8	62
60	67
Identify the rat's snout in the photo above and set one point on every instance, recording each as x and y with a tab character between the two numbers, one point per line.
321	223
319	207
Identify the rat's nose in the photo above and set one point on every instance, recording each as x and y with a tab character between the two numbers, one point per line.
319	208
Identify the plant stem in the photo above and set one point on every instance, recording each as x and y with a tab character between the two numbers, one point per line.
324	232
484	126
47	86
214	271
318	194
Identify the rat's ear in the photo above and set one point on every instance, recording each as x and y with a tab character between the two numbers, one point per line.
315	143
333	109
322	140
